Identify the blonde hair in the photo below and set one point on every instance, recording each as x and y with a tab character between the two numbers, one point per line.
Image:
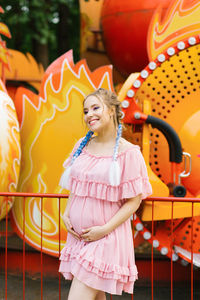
111	100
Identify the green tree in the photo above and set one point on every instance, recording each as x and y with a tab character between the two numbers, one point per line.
45	28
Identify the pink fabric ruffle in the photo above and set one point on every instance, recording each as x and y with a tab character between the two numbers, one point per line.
81	264
89	176
104	191
98	266
107	285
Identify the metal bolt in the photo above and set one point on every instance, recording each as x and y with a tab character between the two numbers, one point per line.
123	115
147	235
137	115
170	51
161	57
137	83
139	226
144	74
130	93
192	40
155	243
152	65
164	250
181	45
125	104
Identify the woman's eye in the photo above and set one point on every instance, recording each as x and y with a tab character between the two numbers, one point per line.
85	112
96	107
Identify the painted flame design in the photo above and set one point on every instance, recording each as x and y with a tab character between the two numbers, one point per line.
31	72
51	123
181	21
4	30
3	50
10	152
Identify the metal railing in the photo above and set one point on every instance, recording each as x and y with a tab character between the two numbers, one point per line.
171	200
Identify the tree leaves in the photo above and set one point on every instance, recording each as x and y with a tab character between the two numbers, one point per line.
37	21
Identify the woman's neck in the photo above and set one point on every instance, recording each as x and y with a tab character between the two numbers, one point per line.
106	136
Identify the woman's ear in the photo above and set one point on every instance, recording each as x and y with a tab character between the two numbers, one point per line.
113	115
112	111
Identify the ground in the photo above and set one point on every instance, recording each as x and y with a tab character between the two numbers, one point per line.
51	290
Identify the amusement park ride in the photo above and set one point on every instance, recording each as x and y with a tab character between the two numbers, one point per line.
161	114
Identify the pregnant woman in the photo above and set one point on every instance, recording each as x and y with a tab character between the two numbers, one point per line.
107	179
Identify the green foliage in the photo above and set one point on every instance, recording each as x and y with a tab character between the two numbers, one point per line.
37	21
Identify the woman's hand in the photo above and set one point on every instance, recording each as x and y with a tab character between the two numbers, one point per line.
93	233
69	227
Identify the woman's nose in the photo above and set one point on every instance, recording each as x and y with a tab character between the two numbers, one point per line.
89	114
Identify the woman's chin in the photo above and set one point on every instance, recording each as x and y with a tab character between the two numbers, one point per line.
94	128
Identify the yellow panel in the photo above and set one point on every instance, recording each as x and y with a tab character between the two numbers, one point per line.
163	211
174	92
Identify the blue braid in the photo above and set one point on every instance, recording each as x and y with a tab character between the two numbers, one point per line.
119	134
81	146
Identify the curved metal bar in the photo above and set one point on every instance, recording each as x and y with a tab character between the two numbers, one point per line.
184	174
170	134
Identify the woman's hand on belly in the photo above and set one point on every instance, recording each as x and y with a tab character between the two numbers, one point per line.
93	233
69	227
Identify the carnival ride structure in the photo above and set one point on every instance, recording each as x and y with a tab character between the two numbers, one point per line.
163	103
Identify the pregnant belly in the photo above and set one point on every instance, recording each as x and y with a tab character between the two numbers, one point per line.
86	212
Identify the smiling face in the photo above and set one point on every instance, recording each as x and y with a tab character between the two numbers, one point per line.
97	115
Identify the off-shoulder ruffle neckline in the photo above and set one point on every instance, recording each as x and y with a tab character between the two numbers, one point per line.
109	156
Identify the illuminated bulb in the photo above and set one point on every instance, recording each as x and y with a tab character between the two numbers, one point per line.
192	40
174	257
122	115
147	235
164	250
137	84
125	104
144	74
184	262
181	45
152	65
161	57
170	51
130	93
137	115
155	243
139	226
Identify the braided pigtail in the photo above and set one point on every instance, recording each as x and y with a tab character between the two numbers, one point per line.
115	172
81	146
66	174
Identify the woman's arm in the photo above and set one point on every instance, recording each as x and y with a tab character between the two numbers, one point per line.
66	218
66	212
123	214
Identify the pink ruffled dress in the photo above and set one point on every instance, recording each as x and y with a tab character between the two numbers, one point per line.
107	264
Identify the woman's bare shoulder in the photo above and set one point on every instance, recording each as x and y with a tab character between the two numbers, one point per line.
125	145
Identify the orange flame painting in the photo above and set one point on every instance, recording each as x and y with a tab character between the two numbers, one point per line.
51	123
4	30
180	22
3	50
31	72
10	149
4	55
